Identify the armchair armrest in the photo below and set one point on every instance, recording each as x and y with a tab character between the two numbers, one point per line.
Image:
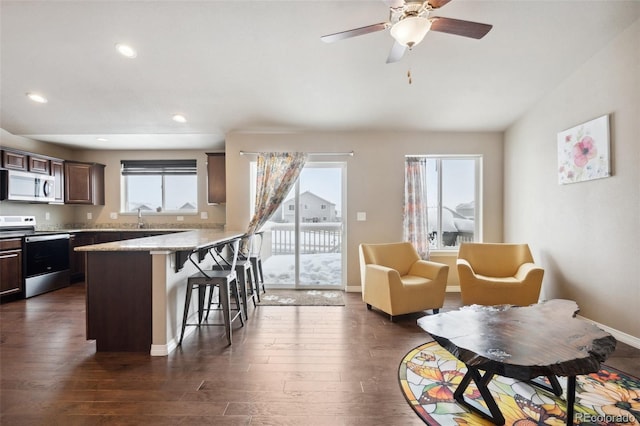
528	269
464	269
431	270
378	276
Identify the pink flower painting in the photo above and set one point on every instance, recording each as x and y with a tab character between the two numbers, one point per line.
583	151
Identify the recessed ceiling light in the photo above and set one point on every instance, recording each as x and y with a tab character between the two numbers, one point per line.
102	139
126	50
179	118
35	97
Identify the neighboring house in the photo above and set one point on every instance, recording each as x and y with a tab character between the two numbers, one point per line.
312	209
187	206
142	207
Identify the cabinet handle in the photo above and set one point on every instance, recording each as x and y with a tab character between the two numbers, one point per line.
6	256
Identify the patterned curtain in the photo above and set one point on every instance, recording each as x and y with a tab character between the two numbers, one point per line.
415	221
276	174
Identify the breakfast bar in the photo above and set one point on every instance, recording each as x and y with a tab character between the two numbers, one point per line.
136	289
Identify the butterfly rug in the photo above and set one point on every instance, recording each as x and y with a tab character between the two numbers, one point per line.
429	375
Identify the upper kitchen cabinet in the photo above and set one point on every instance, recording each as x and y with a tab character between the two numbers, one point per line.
39	165
57	171
216	178
15	160
26	161
83	183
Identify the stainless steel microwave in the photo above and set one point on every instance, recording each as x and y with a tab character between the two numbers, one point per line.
16	185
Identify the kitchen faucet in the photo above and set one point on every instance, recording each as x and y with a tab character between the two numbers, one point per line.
140	222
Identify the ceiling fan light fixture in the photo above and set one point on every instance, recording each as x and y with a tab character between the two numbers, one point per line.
411	30
126	50
36	97
179	118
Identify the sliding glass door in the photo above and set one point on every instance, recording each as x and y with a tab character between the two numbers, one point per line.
303	241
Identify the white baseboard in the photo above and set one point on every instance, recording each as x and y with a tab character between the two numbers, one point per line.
619	335
159	350
164	350
358	289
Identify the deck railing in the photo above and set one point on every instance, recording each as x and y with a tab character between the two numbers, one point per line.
314	238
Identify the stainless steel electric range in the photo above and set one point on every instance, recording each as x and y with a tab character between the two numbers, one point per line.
45	265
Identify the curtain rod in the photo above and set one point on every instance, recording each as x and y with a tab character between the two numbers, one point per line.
309	153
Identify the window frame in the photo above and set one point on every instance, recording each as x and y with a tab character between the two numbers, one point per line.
154	168
477	220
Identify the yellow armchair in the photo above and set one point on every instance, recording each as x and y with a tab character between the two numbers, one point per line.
498	274
396	281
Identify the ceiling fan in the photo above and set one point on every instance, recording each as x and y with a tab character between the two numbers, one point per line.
409	22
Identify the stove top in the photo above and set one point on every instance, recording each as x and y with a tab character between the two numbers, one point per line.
22	226
14	222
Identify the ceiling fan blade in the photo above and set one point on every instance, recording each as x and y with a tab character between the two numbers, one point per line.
396	53
460	27
436	4
330	38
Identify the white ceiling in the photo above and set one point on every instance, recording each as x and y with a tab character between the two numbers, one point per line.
261	66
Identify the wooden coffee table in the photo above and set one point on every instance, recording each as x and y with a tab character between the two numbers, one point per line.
524	343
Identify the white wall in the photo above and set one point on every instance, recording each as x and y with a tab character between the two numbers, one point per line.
586	235
375	178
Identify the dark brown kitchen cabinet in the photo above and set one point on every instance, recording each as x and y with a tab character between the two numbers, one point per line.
39	165
57	171
77	258
108	236
216	178
11	280
83	183
15	160
26	161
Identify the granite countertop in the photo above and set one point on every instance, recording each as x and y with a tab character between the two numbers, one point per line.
178	241
80	230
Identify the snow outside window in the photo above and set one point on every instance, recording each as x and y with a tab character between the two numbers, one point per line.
159	186
453	195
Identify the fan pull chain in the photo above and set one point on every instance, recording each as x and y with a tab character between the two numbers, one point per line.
410	58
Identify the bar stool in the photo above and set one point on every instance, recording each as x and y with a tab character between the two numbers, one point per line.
244	271
256	261
227	283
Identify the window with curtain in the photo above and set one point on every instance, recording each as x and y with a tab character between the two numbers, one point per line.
451	195
159	186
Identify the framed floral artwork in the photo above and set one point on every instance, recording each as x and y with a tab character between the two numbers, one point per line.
583	152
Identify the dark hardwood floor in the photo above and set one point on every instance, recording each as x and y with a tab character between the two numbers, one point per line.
287	366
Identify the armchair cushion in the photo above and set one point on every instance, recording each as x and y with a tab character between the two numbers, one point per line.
396	281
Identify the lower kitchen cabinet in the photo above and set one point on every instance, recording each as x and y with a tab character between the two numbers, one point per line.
77	258
11	279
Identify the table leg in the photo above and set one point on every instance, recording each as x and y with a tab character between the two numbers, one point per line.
553	386
571	398
494	414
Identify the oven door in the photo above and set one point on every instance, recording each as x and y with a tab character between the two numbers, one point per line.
46	260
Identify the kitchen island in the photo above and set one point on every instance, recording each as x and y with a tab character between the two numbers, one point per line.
136	288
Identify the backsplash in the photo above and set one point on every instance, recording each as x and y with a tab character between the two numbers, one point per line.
129	226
